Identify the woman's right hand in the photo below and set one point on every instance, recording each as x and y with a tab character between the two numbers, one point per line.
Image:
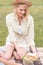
21	52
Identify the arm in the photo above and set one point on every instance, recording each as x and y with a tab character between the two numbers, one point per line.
30	37
11	31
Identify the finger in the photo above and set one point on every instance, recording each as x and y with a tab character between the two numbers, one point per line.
16	55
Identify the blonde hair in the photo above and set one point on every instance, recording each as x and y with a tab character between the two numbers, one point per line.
27	11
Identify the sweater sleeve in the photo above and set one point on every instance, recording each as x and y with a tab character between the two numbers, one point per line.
30	36
10	29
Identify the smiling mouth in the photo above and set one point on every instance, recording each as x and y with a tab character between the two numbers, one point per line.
22	14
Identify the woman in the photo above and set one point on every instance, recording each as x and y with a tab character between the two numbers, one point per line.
21	33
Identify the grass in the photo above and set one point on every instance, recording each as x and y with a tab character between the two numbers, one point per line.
36	11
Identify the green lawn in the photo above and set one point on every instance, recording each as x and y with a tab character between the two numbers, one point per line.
36	11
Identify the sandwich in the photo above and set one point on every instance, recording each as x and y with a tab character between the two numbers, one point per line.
30	56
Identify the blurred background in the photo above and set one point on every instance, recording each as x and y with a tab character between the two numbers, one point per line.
36	11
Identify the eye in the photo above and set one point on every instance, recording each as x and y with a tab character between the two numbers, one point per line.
21	9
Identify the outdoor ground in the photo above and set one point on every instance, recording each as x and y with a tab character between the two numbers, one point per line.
36	11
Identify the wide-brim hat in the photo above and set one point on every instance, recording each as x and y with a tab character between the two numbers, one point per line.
27	2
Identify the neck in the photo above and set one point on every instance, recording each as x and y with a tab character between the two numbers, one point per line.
20	20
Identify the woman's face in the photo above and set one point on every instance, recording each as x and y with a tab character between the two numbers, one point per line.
21	10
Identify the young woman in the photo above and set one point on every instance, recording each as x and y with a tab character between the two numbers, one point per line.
20	39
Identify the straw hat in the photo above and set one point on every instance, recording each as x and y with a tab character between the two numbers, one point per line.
27	2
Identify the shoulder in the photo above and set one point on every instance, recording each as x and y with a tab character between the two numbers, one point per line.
30	17
9	16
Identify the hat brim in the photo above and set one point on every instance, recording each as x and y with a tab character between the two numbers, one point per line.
29	4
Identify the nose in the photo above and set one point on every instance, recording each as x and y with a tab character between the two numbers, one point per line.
23	12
